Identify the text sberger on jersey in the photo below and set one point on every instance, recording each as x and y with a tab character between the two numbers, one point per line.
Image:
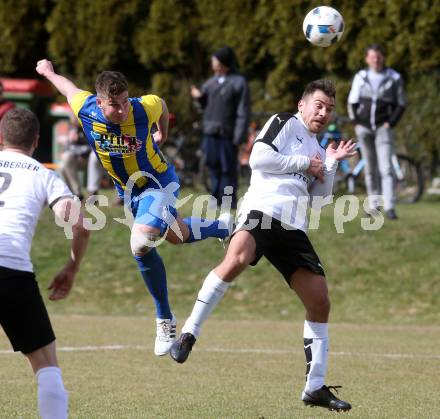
18	165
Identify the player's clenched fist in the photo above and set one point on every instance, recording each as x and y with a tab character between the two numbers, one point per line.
316	168
44	67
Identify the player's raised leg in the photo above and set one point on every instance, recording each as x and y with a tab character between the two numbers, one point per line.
240	254
312	290
154	213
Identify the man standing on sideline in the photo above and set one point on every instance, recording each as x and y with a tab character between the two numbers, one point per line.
118	129
5	105
225	101
26	187
289	168
375	104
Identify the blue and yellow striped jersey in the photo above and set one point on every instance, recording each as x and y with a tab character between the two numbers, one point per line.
127	148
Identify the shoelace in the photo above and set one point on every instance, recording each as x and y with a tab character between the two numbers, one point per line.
165	329
334	388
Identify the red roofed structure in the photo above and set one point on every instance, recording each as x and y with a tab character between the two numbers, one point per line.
34	86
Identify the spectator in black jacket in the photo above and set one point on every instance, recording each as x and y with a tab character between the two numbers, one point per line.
225	101
375	104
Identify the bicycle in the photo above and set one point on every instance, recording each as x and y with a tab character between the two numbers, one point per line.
408	175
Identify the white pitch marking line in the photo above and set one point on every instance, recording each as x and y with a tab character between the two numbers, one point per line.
92	348
287	351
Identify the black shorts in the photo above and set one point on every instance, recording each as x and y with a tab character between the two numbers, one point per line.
23	314
285	248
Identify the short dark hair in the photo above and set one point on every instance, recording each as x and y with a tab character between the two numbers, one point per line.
19	127
111	83
227	57
327	86
374	47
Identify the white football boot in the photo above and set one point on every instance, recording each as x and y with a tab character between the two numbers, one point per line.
226	221
165	335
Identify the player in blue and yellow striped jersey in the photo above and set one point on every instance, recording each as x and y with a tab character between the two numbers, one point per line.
119	130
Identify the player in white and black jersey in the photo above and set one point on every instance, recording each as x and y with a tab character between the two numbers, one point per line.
26	187
289	169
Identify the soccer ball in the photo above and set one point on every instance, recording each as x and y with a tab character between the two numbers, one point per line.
323	26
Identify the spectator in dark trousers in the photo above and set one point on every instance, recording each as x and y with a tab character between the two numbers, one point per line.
375	104
225	101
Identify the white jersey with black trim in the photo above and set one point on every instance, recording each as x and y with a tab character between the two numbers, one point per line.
26	186
280	186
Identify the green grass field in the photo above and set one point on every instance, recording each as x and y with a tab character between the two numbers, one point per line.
249	362
239	369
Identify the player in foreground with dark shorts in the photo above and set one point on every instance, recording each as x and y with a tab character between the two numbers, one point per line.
289	169
26	187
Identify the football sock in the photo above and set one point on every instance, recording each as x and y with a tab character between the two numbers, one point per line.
154	275
201	229
316	351
210	294
52	397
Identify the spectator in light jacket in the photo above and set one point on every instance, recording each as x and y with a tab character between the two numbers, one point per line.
375	104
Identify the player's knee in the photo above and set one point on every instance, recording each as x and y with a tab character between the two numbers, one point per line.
237	261
142	242
322	305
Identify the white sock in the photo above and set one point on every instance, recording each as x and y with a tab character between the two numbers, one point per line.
52	397
316	350
210	294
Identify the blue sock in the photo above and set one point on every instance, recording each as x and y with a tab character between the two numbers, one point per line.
200	230
155	278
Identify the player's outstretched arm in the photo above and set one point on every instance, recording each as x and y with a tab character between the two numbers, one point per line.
63	280
65	86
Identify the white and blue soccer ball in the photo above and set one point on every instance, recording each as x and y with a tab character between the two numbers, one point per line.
323	26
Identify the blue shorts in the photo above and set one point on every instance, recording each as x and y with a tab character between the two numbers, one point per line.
155	207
